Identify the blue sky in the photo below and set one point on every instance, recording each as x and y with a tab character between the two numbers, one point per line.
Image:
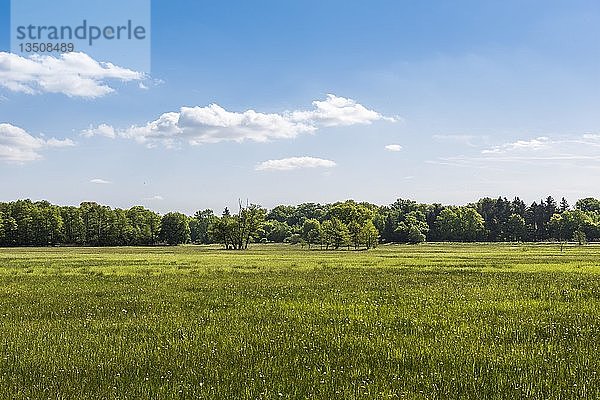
488	98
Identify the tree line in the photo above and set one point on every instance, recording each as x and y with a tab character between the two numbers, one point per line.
347	224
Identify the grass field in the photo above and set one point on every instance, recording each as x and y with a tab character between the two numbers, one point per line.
414	322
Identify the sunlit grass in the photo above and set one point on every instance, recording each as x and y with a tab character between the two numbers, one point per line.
434	321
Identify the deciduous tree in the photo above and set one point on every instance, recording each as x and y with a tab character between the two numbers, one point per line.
174	228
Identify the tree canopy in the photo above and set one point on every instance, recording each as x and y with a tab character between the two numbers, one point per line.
329	226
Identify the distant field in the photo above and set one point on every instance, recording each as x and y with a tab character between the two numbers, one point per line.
417	322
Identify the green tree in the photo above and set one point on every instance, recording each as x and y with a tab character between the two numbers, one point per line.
414	228
327	234
516	228
54	223
495	214
38	230
249	224
237	231
221	230
369	235
564	205
99	224
21	212
174	228
276	232
199	226
153	220
589	204
2	238
460	224
306	211
282	214
45	224
415	235
145	225
335	234
311	231
107	224
295	238
9	227
354	231
124	233
558	227
565	225
579	237
349	211
73	228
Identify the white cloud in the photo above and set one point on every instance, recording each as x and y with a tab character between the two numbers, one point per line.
72	74
567	151
593	137
18	146
52	142
100	130
288	164
157	198
532	144
338	111
98	181
213	124
393	147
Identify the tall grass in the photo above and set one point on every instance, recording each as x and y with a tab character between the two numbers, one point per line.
426	322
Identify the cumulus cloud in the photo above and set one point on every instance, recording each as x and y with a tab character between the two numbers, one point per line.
288	164
18	146
338	111
72	74
99	181
213	124
100	130
393	147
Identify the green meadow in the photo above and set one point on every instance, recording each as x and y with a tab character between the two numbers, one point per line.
433	321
